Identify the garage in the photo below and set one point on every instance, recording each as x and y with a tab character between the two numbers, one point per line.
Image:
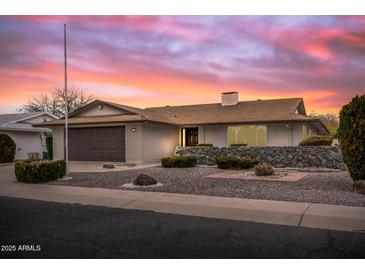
97	144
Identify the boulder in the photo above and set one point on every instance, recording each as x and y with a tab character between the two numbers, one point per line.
144	180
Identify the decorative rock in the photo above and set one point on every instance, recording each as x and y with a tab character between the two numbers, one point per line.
293	156
144	180
108	166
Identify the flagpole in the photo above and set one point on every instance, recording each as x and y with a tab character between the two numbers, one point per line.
66	101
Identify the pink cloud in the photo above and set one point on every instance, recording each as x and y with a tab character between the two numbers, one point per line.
181	60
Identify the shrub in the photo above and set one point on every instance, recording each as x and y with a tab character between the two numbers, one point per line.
204	145
320	140
246	162
179	161
351	134
34	156
7	149
49	145
230	162
39	171
238	145
167	162
225	162
264	169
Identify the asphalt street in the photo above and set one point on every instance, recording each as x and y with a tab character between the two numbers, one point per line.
37	229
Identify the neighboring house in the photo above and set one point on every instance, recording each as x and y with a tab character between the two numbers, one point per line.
26	137
104	131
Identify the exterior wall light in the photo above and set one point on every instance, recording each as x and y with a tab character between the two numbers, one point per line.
134	129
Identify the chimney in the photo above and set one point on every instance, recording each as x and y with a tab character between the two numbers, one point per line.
229	98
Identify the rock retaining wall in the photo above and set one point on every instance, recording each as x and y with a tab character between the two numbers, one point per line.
293	156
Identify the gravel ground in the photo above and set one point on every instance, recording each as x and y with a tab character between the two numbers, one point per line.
316	187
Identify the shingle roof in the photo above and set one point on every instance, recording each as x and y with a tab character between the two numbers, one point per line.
7	118
276	110
246	111
15	121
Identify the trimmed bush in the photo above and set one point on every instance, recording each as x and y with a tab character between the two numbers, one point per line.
351	134
230	162
225	162
167	162
179	161
238	145
204	145
320	140
39	171
264	169
49	145
7	149
246	162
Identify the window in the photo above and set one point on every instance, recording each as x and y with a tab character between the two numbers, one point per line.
308	132
252	135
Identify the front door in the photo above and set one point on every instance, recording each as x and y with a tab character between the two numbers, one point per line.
191	136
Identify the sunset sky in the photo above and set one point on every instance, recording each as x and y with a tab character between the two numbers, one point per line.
172	60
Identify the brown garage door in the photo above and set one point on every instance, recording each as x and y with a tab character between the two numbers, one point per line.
97	144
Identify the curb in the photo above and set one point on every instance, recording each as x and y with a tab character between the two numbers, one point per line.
335	217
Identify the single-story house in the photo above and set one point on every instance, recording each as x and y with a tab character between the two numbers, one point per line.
26	137
105	131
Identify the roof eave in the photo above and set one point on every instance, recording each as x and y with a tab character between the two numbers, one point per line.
38	129
87	123
253	122
120	107
32	116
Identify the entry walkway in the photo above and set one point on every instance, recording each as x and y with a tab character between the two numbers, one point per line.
332	217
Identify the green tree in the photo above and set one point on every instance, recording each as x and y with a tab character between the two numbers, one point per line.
7	149
351	134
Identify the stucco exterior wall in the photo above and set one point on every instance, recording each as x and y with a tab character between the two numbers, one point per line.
134	143
216	135
133	146
159	141
278	135
150	142
39	119
95	111
283	135
26	142
296	134
58	143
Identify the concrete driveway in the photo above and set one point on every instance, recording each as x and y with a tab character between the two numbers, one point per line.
7	174
94	166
